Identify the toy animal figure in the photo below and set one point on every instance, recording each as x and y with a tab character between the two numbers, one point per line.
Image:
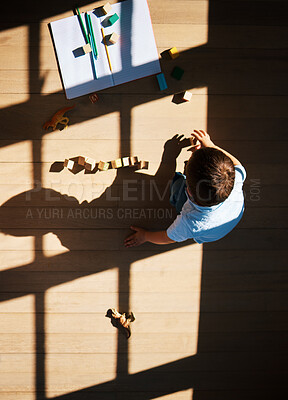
58	118
121	321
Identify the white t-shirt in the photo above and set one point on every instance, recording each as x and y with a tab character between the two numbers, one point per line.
207	224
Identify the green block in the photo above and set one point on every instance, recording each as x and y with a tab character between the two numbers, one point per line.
177	73
113	19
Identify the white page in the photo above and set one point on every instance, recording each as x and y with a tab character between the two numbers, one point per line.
135	54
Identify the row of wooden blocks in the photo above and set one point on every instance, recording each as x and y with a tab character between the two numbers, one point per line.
90	164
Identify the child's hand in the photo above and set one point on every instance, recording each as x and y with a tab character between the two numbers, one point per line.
136	238
203	138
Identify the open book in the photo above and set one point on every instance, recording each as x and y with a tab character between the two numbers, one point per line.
132	57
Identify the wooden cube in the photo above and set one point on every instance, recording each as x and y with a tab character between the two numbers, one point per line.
161	81
106	8
173	53
125	162
90	164
116	163
87	48
143	164
81	160
133	160
69	164
113	19
103	165
187	96
113	38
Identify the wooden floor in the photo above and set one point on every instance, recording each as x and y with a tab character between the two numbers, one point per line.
211	320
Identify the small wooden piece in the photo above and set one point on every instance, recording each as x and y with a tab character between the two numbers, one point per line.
103	165
87	48
81	160
113	38
173	53
116	163
106	8
133	161
93	98
90	164
143	164
113	19
187	96
125	162
161	81
69	164
177	73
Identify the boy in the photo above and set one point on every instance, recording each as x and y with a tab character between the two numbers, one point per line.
211	199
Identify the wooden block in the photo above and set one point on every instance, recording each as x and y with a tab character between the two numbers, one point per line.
69	164
133	160
103	165
143	164
161	81
93	97
113	19
113	38
106	8
90	164
87	48
116	163
187	96
177	73
173	53
81	160
125	162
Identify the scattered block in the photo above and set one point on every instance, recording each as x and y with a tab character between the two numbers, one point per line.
143	164
69	164
133	161
103	166
90	164
81	160
161	81
113	38
173	53
186	96
106	8
113	19
125	162
93	98
177	73
116	163
87	48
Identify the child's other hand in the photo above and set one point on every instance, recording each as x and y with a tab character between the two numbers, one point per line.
203	137
136	238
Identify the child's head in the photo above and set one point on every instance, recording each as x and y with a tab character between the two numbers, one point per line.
210	176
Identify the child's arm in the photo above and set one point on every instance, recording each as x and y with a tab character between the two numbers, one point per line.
142	235
205	141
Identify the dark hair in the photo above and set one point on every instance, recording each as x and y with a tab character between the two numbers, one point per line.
210	176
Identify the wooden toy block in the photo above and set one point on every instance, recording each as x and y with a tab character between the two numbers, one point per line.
81	160
143	164
87	48
133	161
116	163
177	73
113	38
161	81
173	53
125	162
93	98
103	165
90	164
187	96
106	8
113	19
69	164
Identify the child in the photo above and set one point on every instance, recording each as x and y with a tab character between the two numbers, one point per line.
209	199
